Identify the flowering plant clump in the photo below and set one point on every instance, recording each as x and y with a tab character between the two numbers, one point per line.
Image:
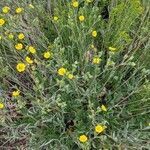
74	74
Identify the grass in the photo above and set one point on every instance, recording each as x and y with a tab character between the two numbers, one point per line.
52	109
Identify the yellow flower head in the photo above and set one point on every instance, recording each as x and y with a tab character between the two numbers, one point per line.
55	18
47	55
21	67
83	138
11	36
70	76
16	93
19	10
21	36
2	22
81	18
29	60
96	60
62	71
100	128
1	105
75	4
103	108
19	46
32	49
94	33
112	49
5	9
31	6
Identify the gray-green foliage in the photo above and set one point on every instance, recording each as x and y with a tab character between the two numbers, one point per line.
49	101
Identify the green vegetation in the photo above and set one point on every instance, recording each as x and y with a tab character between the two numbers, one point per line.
74	75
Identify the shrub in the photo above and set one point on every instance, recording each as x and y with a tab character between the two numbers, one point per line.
74	74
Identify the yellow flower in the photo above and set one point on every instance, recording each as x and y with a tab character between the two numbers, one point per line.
83	138
32	49
70	76
21	36
55	18
96	60
11	36
2	22
31	6
100	128
112	49
103	108
21	67
29	60
81	18
19	10
75	4
94	33
1	105
16	93
5	9
19	46
0	37
62	71
47	55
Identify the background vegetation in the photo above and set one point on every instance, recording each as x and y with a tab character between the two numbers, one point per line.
52	111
